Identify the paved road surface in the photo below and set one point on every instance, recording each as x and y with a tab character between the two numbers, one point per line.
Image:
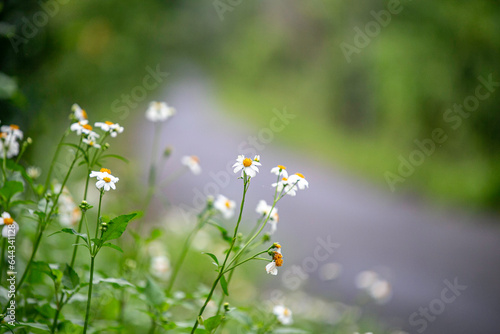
415	246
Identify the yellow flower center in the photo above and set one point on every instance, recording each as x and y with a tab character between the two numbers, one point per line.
84	114
286	312
195	158
300	175
14	127
281	167
247	162
278	259
278	246
284	179
105	170
3	134
107	179
8	221
88	127
109	123
228	204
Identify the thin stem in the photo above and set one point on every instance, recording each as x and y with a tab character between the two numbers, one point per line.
246	184
152	167
75	248
58	311
184	251
2	260
89	297
98	217
56	154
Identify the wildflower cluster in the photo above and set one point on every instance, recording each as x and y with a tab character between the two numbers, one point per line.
146	273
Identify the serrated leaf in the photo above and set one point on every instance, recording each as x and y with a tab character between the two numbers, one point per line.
213	257
223	284
110	245
117	226
213	322
70	278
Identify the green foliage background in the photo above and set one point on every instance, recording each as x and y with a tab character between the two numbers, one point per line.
262	54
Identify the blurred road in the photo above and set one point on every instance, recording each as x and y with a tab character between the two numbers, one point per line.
414	246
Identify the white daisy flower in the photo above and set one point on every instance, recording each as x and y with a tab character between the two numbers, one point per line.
264	209
280	170
12	130
160	267
91	142
113	128
247	165
10	227
272	267
285	186
105	180
33	172
159	112
79	113
193	163
9	145
300	180
83	127
283	314
225	206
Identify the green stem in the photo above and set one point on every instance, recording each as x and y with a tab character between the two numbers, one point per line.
98	217
75	248
152	167
89	297
184	251
56	154
58	311
246	184
2	266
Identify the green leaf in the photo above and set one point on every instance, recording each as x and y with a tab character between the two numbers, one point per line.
213	322
117	226
78	148
213	257
116	156
11	188
71	231
8	86
223	284
154	294
18	168
116	282
223	232
70	278
34	325
110	245
43	267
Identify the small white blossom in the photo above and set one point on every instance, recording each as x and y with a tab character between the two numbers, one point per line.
9	145
264	209
286	187
160	267
300	180
247	165
33	172
225	206
113	128
159	112
12	130
79	113
193	163
91	142
83	127
105	180
10	227
283	314
69	213
280	171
